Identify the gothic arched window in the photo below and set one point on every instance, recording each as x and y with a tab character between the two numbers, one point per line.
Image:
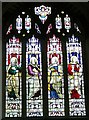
43	77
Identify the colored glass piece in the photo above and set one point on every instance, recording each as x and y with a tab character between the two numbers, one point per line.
19	24
67	23
43	12
77	28
49	28
58	23
37	28
28	23
9	29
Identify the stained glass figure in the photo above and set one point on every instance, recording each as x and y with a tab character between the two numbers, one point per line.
55	77
43	12
37	28
49	28
67	23
9	29
19	24
58	23
34	100
28	23
75	78
13	78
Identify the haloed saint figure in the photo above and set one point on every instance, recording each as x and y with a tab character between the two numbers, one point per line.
55	77
14	73
34	77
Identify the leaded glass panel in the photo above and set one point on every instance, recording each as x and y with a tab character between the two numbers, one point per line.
13	78
55	77
75	78
34	99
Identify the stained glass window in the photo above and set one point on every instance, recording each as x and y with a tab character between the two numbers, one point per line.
75	77
13	78
46	76
55	77
34	100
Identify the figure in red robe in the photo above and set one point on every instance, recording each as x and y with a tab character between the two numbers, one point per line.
76	67
75	94
70	69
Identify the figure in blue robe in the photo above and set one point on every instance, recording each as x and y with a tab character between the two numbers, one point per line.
53	93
